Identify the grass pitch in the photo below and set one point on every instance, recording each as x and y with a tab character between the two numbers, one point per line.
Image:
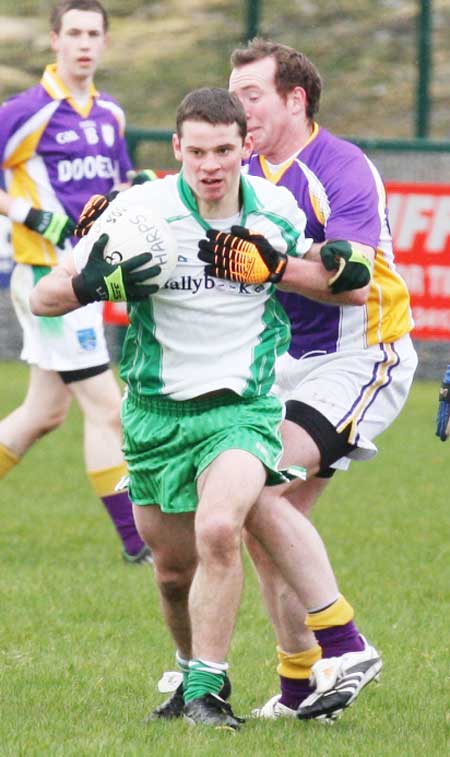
82	644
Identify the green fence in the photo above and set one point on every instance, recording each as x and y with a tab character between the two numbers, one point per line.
152	147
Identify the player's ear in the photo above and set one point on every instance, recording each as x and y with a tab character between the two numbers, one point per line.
248	145
176	146
298	100
54	37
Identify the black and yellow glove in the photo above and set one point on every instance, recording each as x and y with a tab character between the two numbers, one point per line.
100	280
56	227
52	226
241	256
353	269
95	206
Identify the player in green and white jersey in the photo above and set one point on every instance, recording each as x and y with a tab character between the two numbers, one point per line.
201	426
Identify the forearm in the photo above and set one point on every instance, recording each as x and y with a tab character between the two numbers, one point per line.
5	202
309	278
54	294
336	273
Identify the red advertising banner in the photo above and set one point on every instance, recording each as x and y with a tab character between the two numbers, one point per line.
419	216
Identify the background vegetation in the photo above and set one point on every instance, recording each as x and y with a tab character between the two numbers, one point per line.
82	644
366	52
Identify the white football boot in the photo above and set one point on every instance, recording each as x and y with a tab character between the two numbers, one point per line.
338	681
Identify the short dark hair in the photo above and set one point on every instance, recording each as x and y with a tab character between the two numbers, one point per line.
293	69
76	5
213	105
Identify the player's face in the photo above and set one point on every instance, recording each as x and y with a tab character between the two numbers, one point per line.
211	157
79	44
267	112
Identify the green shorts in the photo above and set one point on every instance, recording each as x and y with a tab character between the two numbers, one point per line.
168	443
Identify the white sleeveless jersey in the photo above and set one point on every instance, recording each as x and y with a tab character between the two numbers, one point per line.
198	333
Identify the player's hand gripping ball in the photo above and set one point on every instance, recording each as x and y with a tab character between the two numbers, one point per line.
95	206
121	282
135	239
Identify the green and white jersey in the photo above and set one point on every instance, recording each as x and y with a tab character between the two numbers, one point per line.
199	334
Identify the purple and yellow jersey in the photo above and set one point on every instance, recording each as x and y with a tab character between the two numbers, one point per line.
343	197
57	153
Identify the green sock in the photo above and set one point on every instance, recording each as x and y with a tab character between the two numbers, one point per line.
204	678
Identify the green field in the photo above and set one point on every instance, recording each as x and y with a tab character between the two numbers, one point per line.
82	645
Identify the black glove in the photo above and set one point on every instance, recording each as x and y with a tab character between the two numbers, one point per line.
353	269
95	206
141	177
52	226
241	256
100	280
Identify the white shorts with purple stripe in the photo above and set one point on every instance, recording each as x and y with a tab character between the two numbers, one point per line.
361	390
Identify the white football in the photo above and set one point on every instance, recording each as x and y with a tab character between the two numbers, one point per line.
137	228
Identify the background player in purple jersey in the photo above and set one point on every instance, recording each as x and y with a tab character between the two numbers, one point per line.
61	142
349	368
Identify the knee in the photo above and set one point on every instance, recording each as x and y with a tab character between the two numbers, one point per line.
217	537
174	582
46	419
55	419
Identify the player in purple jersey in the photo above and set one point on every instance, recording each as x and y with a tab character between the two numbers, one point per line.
349	367
61	142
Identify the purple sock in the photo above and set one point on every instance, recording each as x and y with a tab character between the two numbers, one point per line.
294	691
121	513
338	640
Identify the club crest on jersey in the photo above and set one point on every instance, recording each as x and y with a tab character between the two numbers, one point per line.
65	137
108	134
90	132
87	339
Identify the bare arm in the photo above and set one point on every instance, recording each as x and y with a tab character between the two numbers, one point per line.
55	227
5	202
54	294
308	276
